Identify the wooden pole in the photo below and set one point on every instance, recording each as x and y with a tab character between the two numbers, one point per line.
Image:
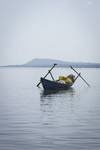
47	74
52	76
80	76
77	77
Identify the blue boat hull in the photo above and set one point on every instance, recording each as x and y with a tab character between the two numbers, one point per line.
54	85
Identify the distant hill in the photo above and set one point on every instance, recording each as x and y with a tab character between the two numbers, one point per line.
49	62
44	62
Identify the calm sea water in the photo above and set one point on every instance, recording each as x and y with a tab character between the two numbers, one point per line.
33	120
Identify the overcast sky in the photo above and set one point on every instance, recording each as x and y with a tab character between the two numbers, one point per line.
59	29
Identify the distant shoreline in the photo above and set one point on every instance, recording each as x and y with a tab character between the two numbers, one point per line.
38	63
48	67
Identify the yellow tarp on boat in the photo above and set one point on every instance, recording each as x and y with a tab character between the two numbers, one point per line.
66	79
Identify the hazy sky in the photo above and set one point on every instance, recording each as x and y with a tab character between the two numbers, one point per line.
60	29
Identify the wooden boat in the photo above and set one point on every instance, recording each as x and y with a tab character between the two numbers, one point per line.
54	85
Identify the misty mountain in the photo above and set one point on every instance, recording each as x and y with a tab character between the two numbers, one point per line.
49	62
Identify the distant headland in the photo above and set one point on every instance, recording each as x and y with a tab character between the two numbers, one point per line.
49	62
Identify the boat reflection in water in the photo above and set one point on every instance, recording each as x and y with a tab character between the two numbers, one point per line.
55	105
54	93
61	96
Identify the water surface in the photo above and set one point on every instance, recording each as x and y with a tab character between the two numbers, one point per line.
34	120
